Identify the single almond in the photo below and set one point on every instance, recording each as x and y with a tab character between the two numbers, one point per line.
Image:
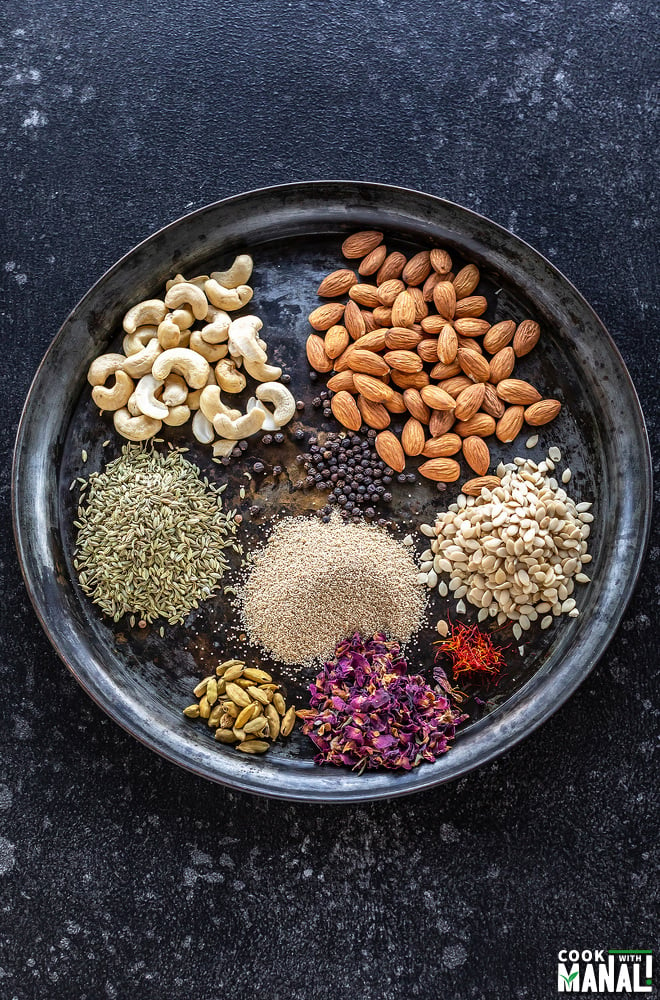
354	320
440	260
391	267
526	337
473	487
401	338
428	349
373	340
469	326
476	454
421	308
442	371
492	404
388	291
394	402
442	446
342	380
369	321
373	414
515	390
466	281
367	362
383	316
362	243
510	424
403	361
437	398
447	344
373	260
444	297
417	269
364	295
441	470
389	449
412	380
455	384
440	422
372	388
472	305
412	437
501	365
345	411
474	365
429	285
336	340
316	355
403	310
480	424
433	324
337	283
469	401
326	315
542	412
499	335
416	406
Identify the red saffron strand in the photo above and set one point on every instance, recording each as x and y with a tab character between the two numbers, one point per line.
472	653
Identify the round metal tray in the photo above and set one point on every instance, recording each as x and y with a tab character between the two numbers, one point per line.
294	233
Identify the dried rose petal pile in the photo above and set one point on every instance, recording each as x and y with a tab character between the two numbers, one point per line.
367	711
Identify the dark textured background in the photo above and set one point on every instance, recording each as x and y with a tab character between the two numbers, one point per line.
124	877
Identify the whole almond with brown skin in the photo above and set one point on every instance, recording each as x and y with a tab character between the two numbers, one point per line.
342	380
412	380
421	308
417	269
362	243
455	384
474	365
510	424
526	337
416	406
373	414
447	344
315	349
354	320
444	297
403	310
515	390
372	388
542	412
383	316
480	424
469	401
401	338
466	281
403	361
473	487
326	315
394	402
367	362
472	305
440	261
469	326
437	398
364	295
501	365
412	437
440	422
388	291
441	470
442	371
470	344
443	446
373	260
389	449
476	454
369	321
499	335
374	340
391	267
336	284
428	349
429	285
433	324
345	411
336	340
492	404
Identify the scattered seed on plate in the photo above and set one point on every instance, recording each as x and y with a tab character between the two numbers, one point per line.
532	441
566	476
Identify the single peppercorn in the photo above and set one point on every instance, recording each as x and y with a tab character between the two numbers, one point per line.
279	438
267	439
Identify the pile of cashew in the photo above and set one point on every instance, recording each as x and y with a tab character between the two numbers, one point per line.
181	353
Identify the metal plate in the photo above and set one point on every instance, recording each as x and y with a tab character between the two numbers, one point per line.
294	234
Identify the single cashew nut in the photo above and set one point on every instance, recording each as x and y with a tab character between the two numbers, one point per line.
140	364
169	333
238	274
227	298
202	428
194	397
212	352
194	368
151	312
175	390
217	331
184	292
145	397
236	430
139	428
223	449
228	378
262	372
134	342
269	423
177	415
282	400
184	318
103	367
178	278
210	403
243	336
117	396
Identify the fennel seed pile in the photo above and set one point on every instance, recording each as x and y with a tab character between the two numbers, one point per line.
151	536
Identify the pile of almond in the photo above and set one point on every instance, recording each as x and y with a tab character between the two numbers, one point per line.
411	340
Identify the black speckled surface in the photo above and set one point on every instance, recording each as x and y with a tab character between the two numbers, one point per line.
122	876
